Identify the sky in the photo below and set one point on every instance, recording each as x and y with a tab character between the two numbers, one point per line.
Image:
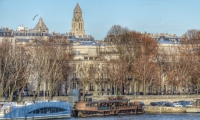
152	16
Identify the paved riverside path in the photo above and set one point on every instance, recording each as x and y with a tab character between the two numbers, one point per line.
143	98
151	98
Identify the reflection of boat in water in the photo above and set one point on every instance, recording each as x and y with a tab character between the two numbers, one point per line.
37	110
195	108
163	109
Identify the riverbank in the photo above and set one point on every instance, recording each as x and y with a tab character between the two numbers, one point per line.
151	98
143	98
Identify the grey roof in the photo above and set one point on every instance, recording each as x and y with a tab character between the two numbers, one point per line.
167	42
41	25
89	44
167	39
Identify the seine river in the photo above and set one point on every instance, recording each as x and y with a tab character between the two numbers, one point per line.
184	116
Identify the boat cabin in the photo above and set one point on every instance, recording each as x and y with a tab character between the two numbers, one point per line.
106	107
102	104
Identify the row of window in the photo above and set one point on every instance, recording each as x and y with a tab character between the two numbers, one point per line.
90	58
85	39
47	110
3	34
30	34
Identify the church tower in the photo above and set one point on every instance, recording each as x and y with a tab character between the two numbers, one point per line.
77	22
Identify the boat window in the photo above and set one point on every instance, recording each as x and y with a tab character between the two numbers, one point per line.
47	110
87	105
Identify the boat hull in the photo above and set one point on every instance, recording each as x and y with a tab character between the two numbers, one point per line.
163	109
41	117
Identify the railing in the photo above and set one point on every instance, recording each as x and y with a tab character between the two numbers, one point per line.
125	107
116	107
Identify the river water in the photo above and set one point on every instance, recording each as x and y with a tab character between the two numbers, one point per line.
182	116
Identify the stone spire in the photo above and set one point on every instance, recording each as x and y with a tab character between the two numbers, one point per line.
77	25
77	8
40	26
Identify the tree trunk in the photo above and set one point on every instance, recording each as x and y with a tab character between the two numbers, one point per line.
11	97
36	92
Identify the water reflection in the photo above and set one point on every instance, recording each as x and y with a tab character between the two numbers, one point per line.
182	116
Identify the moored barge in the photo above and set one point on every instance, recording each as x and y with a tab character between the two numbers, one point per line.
106	107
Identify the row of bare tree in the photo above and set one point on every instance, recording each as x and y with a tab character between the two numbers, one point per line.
136	60
40	63
129	60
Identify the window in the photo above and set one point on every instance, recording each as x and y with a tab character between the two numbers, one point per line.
91	58
91	86
85	58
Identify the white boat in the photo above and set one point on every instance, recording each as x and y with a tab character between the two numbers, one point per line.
37	110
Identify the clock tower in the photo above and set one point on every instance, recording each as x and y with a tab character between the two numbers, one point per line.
77	26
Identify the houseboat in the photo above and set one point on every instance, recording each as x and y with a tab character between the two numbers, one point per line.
106	107
37	110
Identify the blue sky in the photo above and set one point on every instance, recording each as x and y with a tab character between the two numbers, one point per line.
154	16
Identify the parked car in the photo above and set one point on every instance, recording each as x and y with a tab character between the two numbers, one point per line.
177	104
161	103
184	103
168	104
154	104
141	104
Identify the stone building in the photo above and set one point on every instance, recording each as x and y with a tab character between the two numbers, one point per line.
24	35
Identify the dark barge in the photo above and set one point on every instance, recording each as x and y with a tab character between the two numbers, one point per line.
106	107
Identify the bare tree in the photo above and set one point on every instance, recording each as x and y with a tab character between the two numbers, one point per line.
13	68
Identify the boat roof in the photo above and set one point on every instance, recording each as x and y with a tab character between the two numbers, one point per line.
103	101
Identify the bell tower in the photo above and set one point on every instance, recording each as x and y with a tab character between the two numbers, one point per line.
77	25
